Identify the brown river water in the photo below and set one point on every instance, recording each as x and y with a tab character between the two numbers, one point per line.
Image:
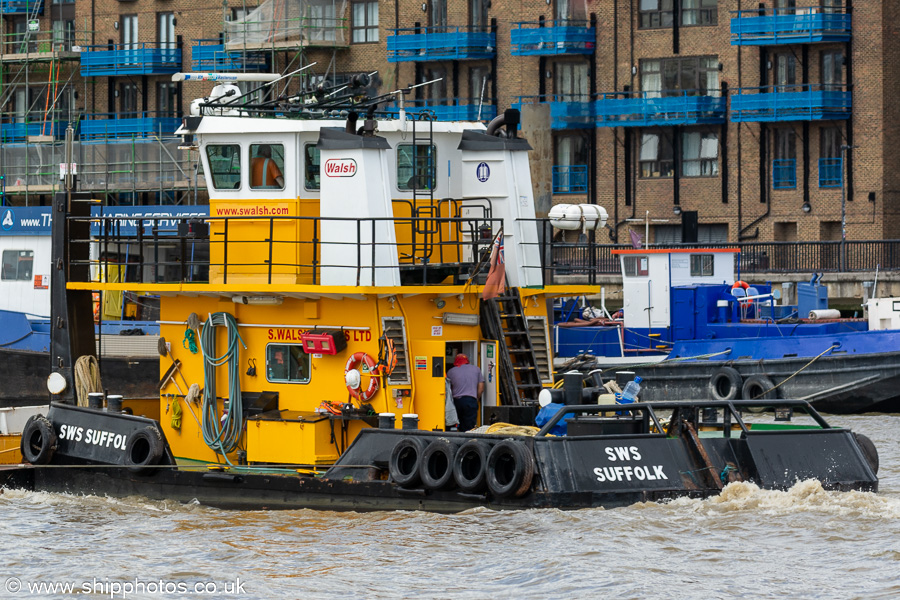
746	543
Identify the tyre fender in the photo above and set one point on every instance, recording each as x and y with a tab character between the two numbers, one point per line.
725	384
758	387
38	443
406	456
869	452
510	469
143	449
470	466
436	466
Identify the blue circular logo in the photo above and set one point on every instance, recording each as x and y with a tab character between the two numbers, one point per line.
9	219
483	172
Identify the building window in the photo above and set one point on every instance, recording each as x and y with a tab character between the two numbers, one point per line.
693	76
167	99
478	15
657	155
701	265
699	154
63	34
416	166
479	85
572	82
784	167
129	28
636	266
311	167
833	70
287	363
166	32
437	14
656	14
785	7
832	6
571	10
570	171
128	100
699	12
17	265
364	22
224	165
785	73
830	159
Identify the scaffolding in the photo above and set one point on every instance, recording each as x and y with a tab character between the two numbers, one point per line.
277	24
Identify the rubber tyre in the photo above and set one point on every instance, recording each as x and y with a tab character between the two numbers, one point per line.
436	466
143	449
510	469
758	387
725	384
470	466
405	459
38	442
869	452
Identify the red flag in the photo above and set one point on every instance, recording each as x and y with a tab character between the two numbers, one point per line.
496	279
635	239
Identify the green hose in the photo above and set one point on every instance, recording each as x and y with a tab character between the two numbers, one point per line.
222	434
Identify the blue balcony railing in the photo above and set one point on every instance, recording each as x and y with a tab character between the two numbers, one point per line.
791	103
441	43
830	171
451	109
659	108
210	55
28	7
20	132
551	38
784	174
790	26
570	179
567	111
103	126
134	59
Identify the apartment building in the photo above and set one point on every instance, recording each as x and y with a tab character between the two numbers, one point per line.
710	120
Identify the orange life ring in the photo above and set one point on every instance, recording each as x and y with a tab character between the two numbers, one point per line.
740	284
355	361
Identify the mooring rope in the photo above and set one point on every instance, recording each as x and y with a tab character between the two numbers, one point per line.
87	378
797	372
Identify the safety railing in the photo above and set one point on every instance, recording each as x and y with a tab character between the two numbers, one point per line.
64	44
830	172
794	102
211	55
784	173
665	107
16	7
130	59
447	109
102	126
551	38
570	179
567	111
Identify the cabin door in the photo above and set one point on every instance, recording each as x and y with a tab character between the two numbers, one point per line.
489	369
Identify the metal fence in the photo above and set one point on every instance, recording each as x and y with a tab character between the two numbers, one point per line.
755	257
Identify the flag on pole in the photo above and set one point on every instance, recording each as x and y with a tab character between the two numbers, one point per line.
635	239
496	279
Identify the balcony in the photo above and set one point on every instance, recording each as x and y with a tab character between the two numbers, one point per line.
791	103
133	59
27	7
790	26
11	132
570	179
450	109
42	45
567	111
105	126
441	43
784	174
642	109
210	55
830	172
553	38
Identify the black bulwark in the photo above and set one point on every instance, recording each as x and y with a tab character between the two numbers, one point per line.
71	316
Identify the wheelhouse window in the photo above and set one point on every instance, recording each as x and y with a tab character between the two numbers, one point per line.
636	266
18	265
287	363
699	12
416	166
267	166
702	265
311	167
224	165
364	22
656	14
699	154
657	156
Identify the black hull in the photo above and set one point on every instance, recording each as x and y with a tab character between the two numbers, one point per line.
24	376
837	385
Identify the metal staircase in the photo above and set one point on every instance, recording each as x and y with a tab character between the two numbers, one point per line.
503	320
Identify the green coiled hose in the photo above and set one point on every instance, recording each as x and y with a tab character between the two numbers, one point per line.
222	434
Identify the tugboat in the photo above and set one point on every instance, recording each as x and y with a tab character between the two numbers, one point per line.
351	259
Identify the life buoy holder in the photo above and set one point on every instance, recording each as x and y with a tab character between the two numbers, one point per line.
353	364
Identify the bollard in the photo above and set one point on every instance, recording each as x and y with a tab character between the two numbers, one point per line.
114	403
411	421
95	400
387	420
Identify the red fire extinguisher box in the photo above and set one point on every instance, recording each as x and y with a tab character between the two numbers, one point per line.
330	341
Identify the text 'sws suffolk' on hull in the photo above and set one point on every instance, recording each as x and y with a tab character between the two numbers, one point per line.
371	310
